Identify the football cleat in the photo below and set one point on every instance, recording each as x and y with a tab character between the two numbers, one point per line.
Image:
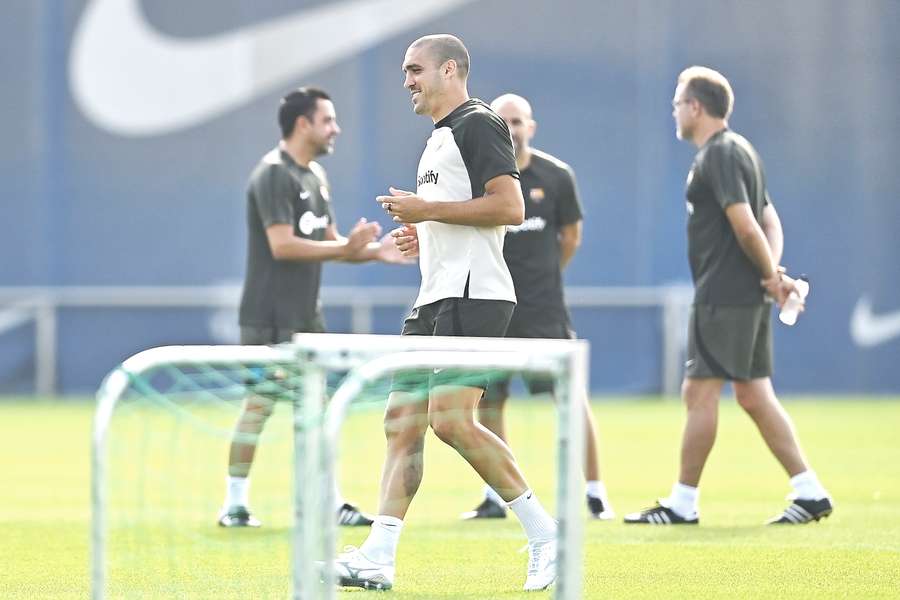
598	510
353	569
237	516
541	565
350	516
659	515
803	511
488	509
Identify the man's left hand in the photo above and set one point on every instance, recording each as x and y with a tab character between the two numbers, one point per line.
405	207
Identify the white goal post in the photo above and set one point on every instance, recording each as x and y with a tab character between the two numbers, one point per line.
367	357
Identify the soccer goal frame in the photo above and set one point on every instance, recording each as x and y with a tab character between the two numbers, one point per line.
367	358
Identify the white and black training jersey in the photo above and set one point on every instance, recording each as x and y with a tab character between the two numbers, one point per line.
467	148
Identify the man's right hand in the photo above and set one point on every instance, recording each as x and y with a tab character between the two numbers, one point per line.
406	239
779	287
360	236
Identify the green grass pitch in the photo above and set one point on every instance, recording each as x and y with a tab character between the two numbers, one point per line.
165	476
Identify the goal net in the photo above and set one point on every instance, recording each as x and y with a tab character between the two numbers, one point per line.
166	418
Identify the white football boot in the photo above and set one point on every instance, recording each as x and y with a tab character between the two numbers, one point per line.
541	565
353	569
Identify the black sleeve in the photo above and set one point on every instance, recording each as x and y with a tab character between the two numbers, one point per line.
486	148
272	191
568	209
723	175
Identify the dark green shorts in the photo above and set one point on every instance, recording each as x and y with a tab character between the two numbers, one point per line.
467	317
729	342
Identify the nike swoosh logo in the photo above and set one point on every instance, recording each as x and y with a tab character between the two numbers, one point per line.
133	80
868	329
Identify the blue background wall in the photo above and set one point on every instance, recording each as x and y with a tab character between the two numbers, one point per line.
816	91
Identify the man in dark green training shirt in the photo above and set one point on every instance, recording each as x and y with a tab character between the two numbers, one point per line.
735	243
291	232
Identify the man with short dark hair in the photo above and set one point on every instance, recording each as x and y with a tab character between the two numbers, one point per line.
735	243
536	253
467	192
291	232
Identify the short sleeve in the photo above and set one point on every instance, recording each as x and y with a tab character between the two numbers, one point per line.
723	175
486	149
568	207
272	192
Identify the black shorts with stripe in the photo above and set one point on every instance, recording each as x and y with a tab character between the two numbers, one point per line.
463	317
730	342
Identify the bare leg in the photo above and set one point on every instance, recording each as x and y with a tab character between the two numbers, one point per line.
405	423
452	416
701	398
591	450
246	435
491	415
757	398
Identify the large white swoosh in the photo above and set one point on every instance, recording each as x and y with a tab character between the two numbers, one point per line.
132	80
868	329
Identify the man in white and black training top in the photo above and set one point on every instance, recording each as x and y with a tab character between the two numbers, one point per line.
291	232
467	192
536	253
735	241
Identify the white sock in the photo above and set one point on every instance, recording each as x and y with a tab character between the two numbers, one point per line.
683	500
807	486
237	491
338	498
538	524
493	496
596	489
381	545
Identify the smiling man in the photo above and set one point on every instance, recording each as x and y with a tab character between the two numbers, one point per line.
467	192
291	232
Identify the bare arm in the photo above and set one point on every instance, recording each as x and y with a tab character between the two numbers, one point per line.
755	245
751	238
771	226
501	204
286	246
569	241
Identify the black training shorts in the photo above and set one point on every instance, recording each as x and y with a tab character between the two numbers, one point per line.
730	342
464	317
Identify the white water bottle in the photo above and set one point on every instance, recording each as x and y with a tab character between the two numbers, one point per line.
791	308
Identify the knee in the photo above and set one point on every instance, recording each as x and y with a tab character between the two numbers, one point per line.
404	426
450	429
700	395
255	413
747	400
